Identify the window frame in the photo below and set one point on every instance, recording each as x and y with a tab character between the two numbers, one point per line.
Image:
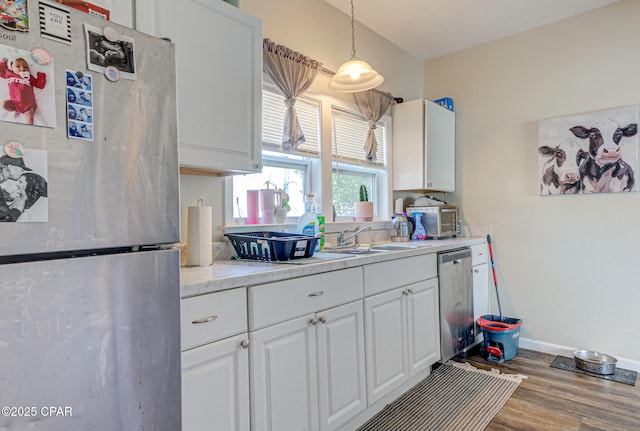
320	170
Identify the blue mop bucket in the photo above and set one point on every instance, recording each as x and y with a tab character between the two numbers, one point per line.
501	337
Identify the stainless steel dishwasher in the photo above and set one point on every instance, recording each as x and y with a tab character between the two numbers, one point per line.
456	302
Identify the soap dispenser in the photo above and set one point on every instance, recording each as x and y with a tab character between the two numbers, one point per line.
420	232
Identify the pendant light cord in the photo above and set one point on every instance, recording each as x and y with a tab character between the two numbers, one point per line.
353	32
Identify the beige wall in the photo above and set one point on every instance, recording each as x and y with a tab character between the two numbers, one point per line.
322	32
569	266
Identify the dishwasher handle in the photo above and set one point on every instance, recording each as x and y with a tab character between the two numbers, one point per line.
454	255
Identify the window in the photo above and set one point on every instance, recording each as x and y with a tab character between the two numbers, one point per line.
290	172
281	174
338	152
350	167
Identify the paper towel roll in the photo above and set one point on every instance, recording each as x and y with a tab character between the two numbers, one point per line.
199	248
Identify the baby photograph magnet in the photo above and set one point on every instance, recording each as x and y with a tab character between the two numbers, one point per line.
27	93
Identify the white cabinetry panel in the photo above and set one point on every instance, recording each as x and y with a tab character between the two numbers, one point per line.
219	80
284	392
386	343
424	330
341	364
423	146
215	386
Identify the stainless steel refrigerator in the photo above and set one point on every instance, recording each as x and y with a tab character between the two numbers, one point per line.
89	278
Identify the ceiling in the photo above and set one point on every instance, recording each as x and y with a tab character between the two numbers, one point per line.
431	28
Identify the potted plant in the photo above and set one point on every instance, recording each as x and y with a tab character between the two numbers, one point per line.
282	206
363	209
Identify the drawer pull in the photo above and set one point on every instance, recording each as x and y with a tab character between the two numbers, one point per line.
204	320
244	344
320	293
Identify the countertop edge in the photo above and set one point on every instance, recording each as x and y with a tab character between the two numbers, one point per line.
224	275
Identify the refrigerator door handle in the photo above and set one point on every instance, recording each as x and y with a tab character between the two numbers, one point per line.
205	319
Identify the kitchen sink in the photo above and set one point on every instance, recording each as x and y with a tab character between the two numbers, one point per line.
353	250
396	246
374	248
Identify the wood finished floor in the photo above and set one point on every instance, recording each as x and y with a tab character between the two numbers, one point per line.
552	399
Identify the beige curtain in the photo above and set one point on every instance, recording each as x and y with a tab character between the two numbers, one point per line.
373	104
292	73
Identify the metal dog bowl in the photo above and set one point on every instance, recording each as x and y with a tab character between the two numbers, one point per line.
594	362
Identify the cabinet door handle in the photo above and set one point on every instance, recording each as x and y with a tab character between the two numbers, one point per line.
323	319
204	320
405	293
313	321
477	271
244	344
410	291
320	293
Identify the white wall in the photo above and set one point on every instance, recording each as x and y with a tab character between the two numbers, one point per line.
569	266
322	32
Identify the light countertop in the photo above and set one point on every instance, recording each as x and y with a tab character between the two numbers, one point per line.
229	274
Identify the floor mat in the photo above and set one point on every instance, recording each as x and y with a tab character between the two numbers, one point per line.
457	396
621	375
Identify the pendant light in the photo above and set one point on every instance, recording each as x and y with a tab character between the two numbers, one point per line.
355	74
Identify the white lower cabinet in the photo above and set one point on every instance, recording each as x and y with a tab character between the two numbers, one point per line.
308	373
215	362
215	386
386	341
480	277
401	335
423	324
284	381
341	365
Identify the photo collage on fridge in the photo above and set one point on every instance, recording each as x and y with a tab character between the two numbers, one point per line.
30	92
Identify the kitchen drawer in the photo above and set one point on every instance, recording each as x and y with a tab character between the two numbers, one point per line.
479	254
211	317
276	302
383	276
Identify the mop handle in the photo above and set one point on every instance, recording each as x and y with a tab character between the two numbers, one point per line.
493	265
495	279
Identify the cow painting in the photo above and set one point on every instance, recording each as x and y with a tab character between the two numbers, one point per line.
604	170
560	174
594	152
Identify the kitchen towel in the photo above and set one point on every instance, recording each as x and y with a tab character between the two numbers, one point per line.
199	248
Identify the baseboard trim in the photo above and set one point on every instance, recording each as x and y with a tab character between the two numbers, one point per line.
556	349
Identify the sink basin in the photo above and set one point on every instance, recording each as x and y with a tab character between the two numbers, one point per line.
396	246
375	248
353	250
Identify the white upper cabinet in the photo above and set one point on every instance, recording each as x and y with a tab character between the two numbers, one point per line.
423	147
219	81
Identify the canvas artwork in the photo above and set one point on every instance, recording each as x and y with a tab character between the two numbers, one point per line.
593	152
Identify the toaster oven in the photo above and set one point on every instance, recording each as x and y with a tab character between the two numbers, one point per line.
439	221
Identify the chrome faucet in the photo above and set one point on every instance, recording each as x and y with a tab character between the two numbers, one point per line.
342	240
